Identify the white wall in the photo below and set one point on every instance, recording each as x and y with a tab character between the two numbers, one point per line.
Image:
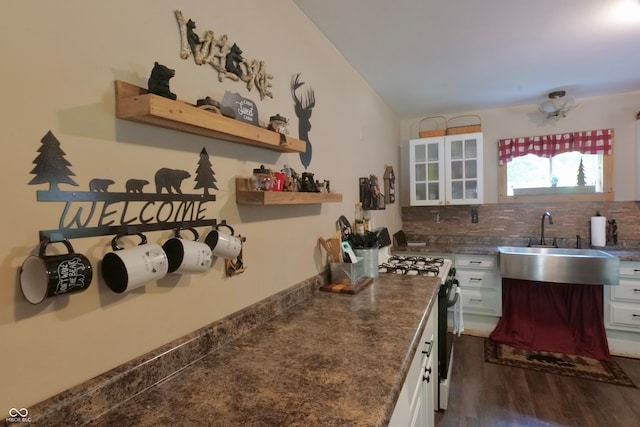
60	62
612	111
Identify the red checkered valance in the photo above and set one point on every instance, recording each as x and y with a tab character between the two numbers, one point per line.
586	142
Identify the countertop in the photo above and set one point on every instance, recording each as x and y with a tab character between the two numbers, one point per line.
331	360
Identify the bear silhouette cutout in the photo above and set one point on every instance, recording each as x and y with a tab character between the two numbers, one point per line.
159	81
170	179
135	185
100	185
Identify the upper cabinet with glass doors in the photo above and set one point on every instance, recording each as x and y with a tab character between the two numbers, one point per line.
446	170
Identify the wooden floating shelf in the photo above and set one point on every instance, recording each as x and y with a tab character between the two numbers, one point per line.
135	104
244	195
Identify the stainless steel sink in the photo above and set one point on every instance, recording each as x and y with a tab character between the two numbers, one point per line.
559	265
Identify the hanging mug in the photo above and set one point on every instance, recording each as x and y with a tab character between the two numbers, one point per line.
187	256
127	269
224	245
43	276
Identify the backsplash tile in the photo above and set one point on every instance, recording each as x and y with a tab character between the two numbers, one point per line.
516	223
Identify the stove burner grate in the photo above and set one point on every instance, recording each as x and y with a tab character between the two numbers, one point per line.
412	265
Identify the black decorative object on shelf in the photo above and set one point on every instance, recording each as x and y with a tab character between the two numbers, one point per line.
209	104
105	209
303	106
158	82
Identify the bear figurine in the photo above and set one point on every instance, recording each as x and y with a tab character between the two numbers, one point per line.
159	81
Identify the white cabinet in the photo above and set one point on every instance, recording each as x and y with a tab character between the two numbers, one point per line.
480	283
445	170
622	302
416	403
622	311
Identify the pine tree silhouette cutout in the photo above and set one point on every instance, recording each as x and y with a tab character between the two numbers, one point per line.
582	180
51	166
204	174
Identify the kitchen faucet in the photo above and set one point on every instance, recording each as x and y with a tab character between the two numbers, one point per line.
547	213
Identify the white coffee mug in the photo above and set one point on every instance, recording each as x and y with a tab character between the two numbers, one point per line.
224	245
187	256
127	269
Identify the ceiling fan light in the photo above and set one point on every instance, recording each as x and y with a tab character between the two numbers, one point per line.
548	107
557	105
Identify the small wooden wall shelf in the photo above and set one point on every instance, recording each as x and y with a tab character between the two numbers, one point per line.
135	104
244	195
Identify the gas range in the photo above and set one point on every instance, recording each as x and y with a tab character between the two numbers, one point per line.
415	265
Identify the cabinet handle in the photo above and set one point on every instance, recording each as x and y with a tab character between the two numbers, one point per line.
428	352
635	315
475	279
427	370
636	290
426	378
475	262
636	270
475	299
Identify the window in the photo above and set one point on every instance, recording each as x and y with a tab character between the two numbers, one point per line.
571	167
531	174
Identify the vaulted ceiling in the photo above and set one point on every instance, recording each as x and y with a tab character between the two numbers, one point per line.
432	57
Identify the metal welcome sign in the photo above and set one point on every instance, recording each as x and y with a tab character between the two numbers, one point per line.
103	210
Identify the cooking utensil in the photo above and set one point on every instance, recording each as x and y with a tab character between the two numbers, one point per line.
332	246
326	247
348	251
335	249
345	227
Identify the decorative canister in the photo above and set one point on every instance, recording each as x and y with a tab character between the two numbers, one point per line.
262	179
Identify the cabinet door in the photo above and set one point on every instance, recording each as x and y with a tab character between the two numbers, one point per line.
426	171
464	168
428	393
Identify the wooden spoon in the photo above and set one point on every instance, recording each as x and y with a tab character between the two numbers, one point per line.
336	249
326	247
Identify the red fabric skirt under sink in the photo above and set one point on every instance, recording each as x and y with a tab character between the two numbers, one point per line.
556	317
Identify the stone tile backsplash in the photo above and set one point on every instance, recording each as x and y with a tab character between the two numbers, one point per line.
516	223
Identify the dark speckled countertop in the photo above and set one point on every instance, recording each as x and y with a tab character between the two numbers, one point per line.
331	360
299	357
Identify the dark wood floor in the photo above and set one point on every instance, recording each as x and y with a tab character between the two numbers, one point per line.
489	395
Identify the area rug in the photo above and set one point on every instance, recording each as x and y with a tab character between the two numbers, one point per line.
556	363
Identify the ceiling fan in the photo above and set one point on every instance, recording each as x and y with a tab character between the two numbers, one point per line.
557	106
